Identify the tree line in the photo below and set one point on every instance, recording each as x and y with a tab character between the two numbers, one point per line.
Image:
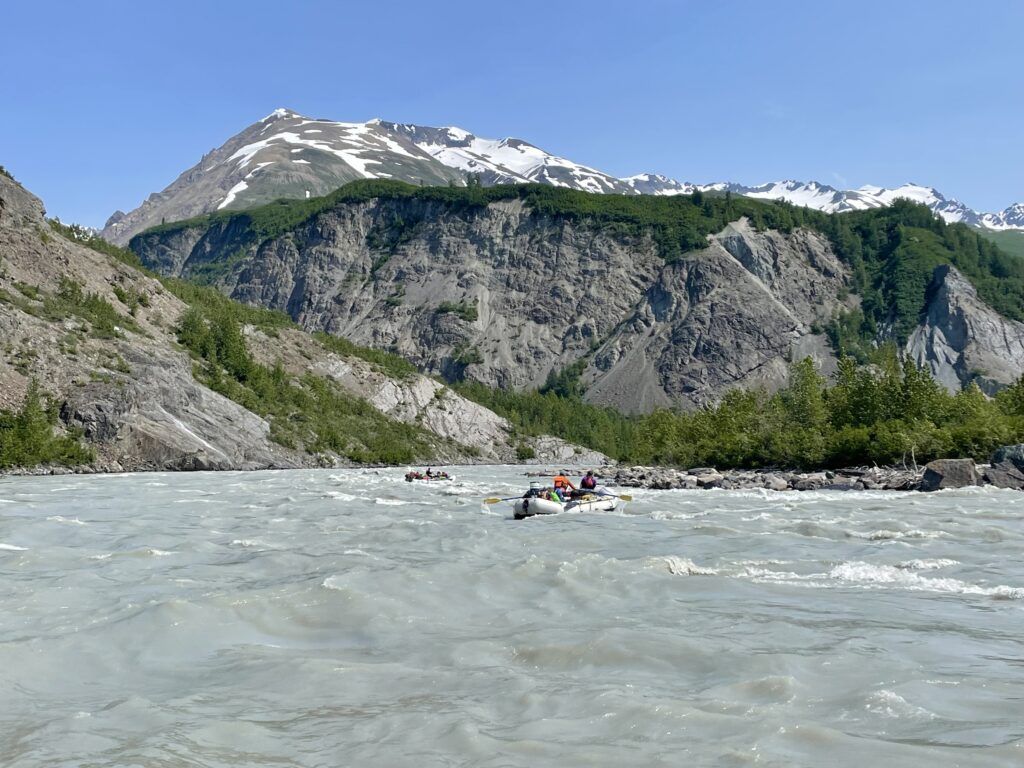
887	412
891	412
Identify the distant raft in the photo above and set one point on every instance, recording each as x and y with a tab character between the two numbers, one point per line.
529	506
433	477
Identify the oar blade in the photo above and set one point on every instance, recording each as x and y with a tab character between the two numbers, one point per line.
491	501
625	497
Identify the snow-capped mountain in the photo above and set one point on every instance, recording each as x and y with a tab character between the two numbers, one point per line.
1008	218
288	155
505	161
656	184
831	200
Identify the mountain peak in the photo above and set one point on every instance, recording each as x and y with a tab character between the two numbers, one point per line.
287	155
281	113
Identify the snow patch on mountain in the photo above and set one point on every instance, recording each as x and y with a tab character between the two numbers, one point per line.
810	194
507	160
242	185
233	193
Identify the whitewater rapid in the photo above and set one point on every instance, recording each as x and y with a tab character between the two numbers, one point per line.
346	617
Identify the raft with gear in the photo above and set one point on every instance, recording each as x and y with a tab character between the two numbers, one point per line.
533	503
436	477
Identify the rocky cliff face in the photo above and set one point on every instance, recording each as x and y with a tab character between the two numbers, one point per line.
131	391
731	315
962	339
505	295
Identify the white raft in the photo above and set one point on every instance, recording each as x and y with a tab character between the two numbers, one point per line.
538	506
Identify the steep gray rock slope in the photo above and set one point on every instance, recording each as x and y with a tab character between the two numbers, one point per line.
962	339
732	315
132	391
537	294
419	400
133	394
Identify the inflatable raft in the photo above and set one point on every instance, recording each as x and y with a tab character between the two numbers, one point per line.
535	505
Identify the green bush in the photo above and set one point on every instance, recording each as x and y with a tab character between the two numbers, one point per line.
466	355
525	452
71	301
131	298
462	310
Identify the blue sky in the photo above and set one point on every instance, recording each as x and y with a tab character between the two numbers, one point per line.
106	102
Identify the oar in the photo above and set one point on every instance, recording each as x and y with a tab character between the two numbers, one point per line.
624	496
492	500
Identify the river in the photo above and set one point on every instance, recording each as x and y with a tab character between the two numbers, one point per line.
348	618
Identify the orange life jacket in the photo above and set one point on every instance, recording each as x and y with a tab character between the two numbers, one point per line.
561	481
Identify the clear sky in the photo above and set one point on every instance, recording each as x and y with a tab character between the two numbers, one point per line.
105	102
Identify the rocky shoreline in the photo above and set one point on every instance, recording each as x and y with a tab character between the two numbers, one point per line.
1002	472
850	479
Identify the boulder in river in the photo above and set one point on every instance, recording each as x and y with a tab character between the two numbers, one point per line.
1004	475
1011	454
949	473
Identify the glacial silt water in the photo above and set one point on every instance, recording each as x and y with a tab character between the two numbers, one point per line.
348	618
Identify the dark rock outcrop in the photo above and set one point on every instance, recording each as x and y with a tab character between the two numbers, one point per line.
1004	475
1006	467
949	473
1009	454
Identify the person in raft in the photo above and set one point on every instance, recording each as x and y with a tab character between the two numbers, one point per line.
562	484
588	482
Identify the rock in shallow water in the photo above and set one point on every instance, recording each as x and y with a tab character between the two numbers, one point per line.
1011	454
1004	475
949	473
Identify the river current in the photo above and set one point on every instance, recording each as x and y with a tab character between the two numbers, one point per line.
348	618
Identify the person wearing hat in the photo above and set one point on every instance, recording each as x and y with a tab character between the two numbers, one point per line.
562	484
